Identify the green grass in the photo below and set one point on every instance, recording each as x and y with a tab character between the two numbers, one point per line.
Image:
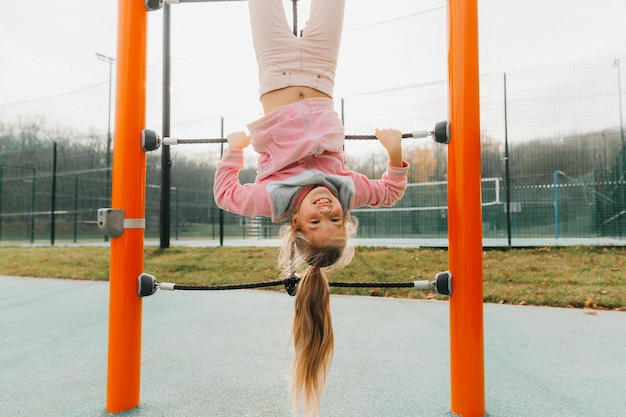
578	277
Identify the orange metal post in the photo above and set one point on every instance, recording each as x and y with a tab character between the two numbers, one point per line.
129	177
465	218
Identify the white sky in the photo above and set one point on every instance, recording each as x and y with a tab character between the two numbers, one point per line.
47	53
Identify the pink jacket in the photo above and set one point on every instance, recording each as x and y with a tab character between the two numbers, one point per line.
300	144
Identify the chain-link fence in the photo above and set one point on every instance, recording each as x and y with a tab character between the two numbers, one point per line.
553	167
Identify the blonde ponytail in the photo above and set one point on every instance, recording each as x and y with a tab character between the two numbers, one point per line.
313	340
312	325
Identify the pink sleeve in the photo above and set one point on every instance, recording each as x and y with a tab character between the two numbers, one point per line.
384	192
243	199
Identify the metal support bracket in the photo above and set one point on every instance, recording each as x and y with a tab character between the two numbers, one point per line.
112	223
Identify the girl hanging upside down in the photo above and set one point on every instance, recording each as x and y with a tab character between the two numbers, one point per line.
302	174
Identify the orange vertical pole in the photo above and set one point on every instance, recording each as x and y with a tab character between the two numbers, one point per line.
129	177
465	217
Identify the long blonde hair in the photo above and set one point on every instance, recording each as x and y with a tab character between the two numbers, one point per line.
312	325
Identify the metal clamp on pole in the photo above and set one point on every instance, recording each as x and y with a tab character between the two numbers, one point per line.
442	283
112	223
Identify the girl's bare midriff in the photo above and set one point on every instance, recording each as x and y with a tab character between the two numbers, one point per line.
278	98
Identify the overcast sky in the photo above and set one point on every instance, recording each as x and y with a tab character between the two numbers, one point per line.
48	49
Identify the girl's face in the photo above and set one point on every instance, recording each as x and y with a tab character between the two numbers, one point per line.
320	216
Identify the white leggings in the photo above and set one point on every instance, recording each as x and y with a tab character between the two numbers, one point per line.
285	60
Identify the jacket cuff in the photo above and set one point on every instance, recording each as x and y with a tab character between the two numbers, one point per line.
395	171
232	157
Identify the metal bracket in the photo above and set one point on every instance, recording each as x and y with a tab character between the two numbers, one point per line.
112	223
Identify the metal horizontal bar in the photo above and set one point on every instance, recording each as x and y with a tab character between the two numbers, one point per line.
414	135
191	141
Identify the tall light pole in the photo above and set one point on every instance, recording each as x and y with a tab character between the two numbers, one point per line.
616	63
619	95
109	61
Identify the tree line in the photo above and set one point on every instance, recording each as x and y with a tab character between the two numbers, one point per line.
28	144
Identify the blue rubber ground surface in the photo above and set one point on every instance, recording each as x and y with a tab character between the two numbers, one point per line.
228	354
